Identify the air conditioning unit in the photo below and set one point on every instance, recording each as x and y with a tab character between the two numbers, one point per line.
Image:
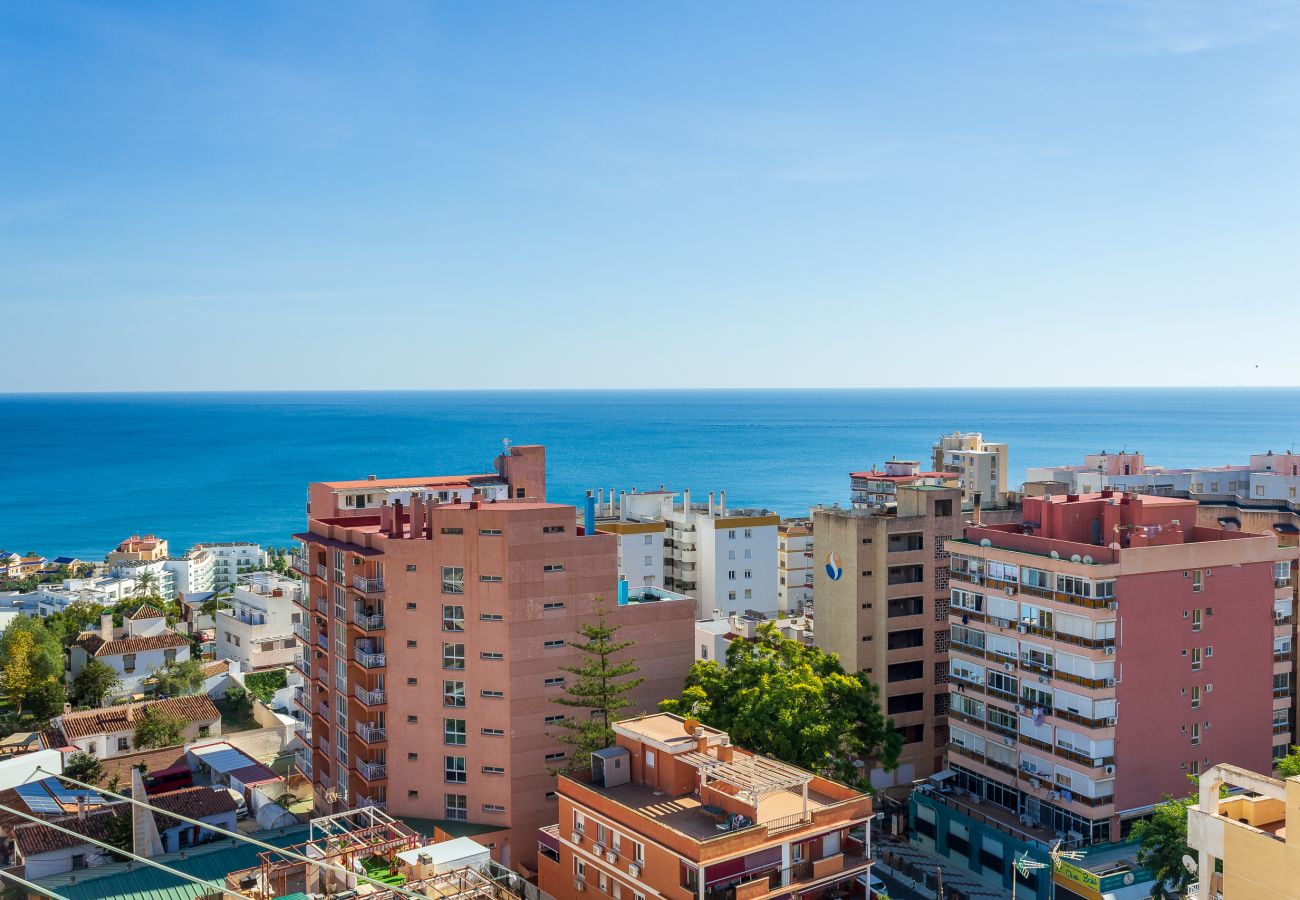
1055	795
611	856
1112	604
1042	679
1020	628
579	885
1110	722
1110	682
600	849
1110	651
1110	770
576	837
634	870
1010	742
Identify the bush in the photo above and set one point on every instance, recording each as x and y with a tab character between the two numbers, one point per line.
263	685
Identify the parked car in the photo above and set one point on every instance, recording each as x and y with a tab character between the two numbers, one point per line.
873	886
241	806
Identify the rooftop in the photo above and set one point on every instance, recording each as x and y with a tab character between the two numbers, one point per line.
415	481
196	708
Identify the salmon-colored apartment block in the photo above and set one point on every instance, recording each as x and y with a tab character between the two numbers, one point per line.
1105	649
674	810
440	610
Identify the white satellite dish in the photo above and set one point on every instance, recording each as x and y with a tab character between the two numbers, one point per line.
1076	558
1087	560
1114	545
1055	555
1189	864
985	542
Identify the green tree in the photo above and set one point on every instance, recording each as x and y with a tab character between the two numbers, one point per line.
793	702
67	623
84	767
46	657
179	678
263	685
1289	765
155	728
146	585
601	690
121	834
16	677
96	681
46	698
1162	844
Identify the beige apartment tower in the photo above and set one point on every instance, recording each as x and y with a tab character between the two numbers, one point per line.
881	583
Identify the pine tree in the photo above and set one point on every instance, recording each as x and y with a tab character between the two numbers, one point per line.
601	690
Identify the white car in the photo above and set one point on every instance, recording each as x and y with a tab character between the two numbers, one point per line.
874	888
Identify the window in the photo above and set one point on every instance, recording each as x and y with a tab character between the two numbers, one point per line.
557	604
749	573
494	770
554	681
410	645
1196	581
410	605
412	681
491	654
453	531
649	560
649	759
412	794
731	534
491	617
914	606
453	618
554	720
412	719
412	757
731	574
453	656
749	532
453	769
912	637
410	567
1196	620
943	507
123	744
553	567
493	808
555	757
456	807
169	656
1196	733
552	529
1196	659
553	645
490	532
490	579
453	732
493	732
78	861
453	693
905	703
906	671
453	580
649	539
1196	696
128	663
492	695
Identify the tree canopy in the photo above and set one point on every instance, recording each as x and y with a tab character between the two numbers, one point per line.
793	702
95	682
1162	844
156	728
85	767
1289	765
179	678
600	689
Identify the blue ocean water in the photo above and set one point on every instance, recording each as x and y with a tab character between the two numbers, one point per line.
80	472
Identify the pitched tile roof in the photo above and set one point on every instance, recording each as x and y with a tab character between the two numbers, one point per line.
198	708
147	611
32	838
96	646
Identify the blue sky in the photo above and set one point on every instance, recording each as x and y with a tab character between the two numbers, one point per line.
428	195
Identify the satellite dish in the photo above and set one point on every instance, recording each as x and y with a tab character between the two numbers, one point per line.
985	542
1189	864
1087	560
1076	558
1055	555
1114	545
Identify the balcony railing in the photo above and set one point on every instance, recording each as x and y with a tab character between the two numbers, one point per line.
300	663
371	734
302	632
369	660
300	564
372	771
371	698
322	572
368	622
323	710
322	606
368	585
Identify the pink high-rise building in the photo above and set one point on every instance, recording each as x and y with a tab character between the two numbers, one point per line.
439	611
1105	649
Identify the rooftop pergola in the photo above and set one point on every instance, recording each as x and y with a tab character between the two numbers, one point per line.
754	777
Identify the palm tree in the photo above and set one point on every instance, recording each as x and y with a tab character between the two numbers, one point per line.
146	584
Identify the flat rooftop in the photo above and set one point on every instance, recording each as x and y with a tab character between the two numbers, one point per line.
665	728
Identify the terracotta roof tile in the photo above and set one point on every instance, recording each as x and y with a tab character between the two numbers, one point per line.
147	611
97	646
198	708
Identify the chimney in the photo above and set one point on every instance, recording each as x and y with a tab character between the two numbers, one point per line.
686	499
417	516
710	504
722	504
725	751
67	708
977	500
701	740
589	515
386	518
106	626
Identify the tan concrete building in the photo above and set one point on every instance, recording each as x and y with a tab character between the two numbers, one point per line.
881	589
138	548
440	614
1254	832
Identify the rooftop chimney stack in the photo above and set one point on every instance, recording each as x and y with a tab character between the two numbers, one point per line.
106	626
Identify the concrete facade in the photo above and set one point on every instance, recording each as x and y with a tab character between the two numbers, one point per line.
257	628
980	466
881	588
794	565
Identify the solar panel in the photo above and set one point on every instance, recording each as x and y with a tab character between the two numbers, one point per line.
224	759
69	795
38	799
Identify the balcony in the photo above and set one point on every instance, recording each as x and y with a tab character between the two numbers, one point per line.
323	710
368	622
322	572
300	663
369	659
322	606
300	697
372	734
368	585
300	564
302	632
371	771
371	698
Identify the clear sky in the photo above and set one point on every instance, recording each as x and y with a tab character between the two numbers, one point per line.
552	194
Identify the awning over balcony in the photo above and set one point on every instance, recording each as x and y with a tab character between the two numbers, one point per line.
354	549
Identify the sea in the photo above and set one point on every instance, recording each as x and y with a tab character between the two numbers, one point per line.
80	472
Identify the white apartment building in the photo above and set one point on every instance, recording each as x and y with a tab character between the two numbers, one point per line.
980	466
794	565
725	558
1268	477
105	591
257	629
164	579
194	572
229	559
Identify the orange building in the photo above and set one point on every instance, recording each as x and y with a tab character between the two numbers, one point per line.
440	610
674	810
